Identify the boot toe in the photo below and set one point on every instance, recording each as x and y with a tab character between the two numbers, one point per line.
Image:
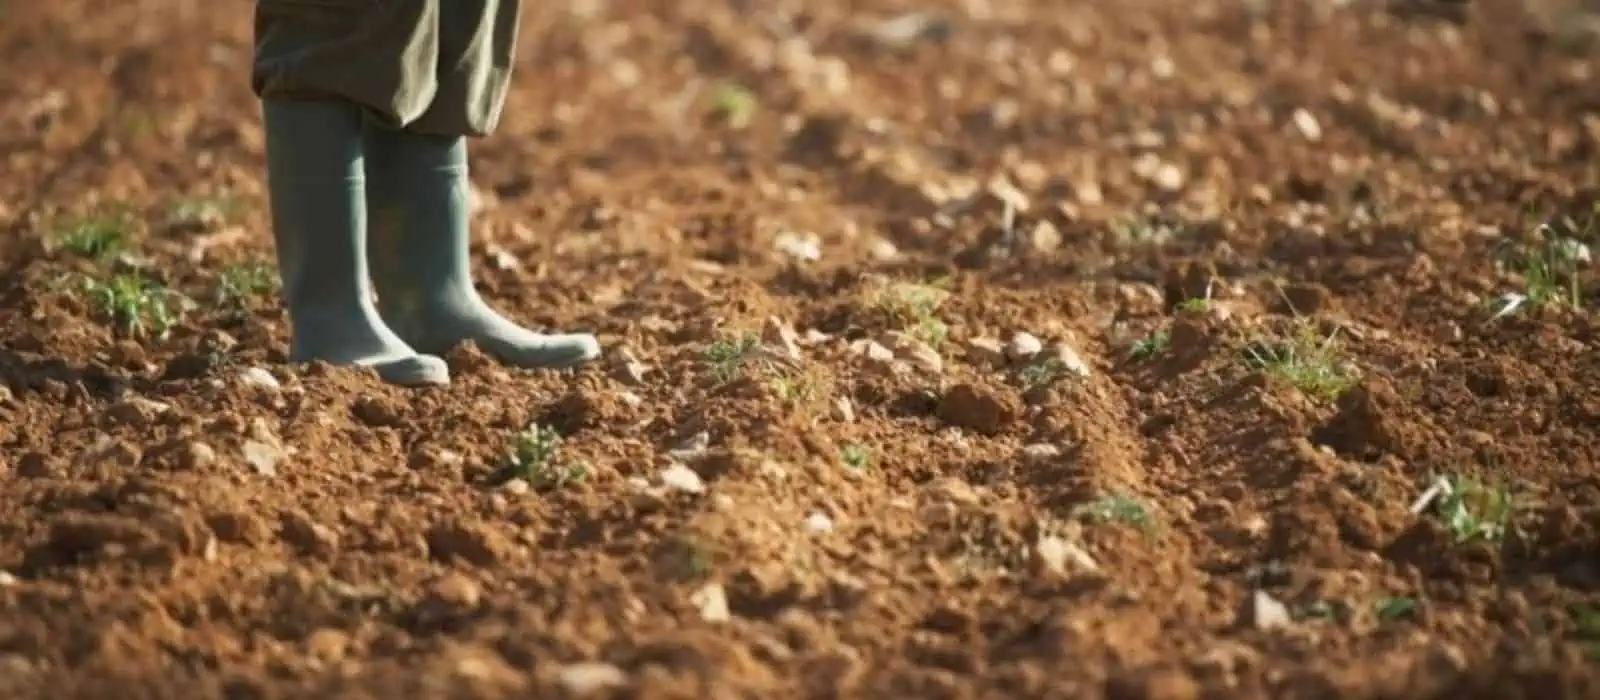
414	371
566	350
547	351
583	347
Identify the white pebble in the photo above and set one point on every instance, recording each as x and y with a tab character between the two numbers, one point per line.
1024	345
713	603
1267	612
1307	125
587	678
680	478
258	377
819	523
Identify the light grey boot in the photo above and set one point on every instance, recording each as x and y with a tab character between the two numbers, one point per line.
315	182
418	192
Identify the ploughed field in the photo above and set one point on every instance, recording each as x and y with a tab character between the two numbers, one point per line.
992	348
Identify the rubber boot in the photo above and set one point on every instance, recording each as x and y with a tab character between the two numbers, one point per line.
318	200
419	195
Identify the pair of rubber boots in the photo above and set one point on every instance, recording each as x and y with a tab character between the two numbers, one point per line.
337	182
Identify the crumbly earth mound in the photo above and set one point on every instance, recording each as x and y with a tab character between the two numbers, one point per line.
993	348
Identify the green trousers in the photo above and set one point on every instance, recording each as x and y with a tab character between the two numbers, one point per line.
437	67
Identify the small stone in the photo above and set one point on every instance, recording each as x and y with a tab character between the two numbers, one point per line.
218	341
712	601
986	351
1256	526
1140	294
806	247
260	429
1307	125
259	378
920	354
844	410
516	487
474	666
1071	360
1001	189
108	450
819	524
7	579
1159	683
980	409
627	368
432	457
774	470
1163	67
781	337
1168	177
263	457
502	259
872	350
903	30
136	411
693	447
1024	346
1040	452
1267	613
1058	557
646	498
195	218
680	478
1574	250
1044	238
239	527
953	490
899	341
327	645
1089	193
455	590
590	678
479	200
884	250
1445	659
194	454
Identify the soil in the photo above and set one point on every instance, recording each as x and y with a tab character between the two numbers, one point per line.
1268	432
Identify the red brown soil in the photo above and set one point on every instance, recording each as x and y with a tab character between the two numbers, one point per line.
145	557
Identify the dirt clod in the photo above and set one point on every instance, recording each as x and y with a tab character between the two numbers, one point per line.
983	409
377	412
455	591
473	543
300	531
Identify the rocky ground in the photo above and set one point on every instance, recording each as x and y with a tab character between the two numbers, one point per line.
962	348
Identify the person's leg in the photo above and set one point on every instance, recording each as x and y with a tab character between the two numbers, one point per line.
315	184
380	55
421	226
477	41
